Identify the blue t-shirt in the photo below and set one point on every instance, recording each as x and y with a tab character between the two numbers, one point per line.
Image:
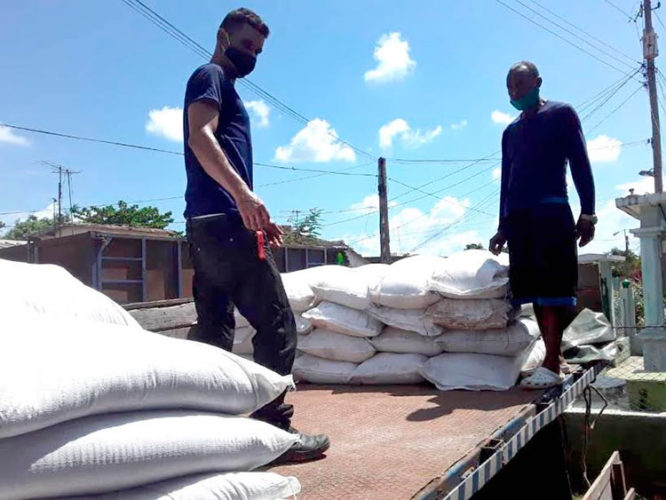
535	151
204	196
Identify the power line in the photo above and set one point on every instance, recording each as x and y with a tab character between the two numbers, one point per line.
615	110
411	189
451	225
659	19
609	96
435	196
620	10
560	36
603	51
90	139
193	45
330	172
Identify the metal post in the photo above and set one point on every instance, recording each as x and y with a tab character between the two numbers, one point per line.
180	269
384	237
144	294
650	52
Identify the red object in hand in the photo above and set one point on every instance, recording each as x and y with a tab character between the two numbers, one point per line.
261	250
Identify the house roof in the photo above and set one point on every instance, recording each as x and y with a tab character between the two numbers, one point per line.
70	229
11	243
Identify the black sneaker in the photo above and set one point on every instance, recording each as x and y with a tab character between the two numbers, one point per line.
307	448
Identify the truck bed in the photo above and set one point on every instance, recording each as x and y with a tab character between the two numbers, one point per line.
392	441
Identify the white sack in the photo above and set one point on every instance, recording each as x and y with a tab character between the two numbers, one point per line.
343	319
212	486
308	368
535	358
404	285
243	327
340	285
402	341
390	368
471	274
509	341
588	327
54	292
240	320
303	326
336	346
243	341
54	370
476	372
412	320
471	314
122	450
300	295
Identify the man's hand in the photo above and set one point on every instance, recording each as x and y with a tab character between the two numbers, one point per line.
497	242
253	211
584	231
274	234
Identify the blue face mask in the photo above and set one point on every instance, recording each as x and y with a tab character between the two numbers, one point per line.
528	101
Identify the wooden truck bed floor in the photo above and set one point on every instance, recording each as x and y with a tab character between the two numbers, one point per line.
390	441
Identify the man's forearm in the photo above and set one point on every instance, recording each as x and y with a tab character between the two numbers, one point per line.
216	164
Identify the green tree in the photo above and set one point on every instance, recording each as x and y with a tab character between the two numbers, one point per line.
305	230
23	229
474	246
123	214
630	268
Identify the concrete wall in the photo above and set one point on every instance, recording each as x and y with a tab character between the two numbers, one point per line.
639	437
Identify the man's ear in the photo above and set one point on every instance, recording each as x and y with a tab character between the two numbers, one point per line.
539	82
223	40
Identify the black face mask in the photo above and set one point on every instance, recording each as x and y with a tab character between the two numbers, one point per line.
243	61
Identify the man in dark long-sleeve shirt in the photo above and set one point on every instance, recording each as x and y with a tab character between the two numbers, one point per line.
535	217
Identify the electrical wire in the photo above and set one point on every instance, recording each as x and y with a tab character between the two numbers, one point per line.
603	51
193	45
560	36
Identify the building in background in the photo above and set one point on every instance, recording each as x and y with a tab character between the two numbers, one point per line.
137	264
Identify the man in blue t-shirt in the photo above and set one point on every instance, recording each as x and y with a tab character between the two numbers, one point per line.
228	226
535	217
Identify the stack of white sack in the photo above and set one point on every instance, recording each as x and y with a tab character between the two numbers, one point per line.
407	322
485	347
92	406
301	298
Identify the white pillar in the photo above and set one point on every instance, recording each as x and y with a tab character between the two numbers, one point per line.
653	336
652	282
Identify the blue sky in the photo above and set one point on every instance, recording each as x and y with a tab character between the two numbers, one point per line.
389	78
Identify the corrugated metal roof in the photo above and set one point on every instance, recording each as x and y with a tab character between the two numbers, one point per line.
11	243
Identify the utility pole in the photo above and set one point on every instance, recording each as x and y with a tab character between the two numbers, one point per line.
60	170
650	52
384	238
59	194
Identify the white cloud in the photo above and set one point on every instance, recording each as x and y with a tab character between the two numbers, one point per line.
611	221
393	60
641	186
460	125
497	173
501	118
317	142
11	219
409	137
8	136
604	149
369	204
445	224
260	112
166	123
